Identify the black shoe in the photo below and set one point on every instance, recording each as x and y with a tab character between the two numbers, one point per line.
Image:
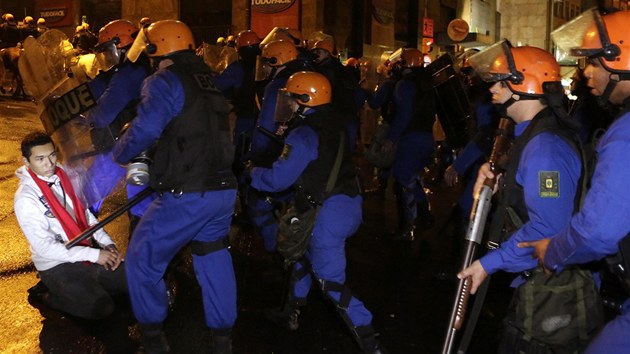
371	345
38	297
287	319
38	288
221	344
154	340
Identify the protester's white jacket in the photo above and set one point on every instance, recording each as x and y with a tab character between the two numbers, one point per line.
43	231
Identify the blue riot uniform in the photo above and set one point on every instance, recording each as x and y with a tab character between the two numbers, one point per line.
382	98
264	151
538	194
116	90
339	215
237	83
411	130
547	213
595	231
195	201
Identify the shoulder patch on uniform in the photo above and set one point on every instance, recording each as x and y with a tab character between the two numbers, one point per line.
286	151
549	184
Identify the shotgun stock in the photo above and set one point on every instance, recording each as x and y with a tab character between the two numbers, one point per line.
474	234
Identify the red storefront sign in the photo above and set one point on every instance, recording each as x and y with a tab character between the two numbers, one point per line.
58	13
267	14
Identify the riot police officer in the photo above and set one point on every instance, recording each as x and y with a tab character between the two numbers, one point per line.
280	58
411	131
10	31
41	26
344	84
185	119
237	83
537	196
118	88
314	150
601	226
28	28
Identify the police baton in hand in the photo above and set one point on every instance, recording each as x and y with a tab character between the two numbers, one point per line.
474	234
111	217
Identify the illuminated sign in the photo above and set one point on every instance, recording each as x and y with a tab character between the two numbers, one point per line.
271	6
53	15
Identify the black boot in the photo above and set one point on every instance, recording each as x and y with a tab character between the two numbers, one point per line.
286	318
221	342
153	339
368	341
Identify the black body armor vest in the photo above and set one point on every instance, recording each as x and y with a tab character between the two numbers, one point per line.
311	185
424	102
511	212
195	152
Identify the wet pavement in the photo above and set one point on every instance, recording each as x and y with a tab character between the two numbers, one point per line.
408	286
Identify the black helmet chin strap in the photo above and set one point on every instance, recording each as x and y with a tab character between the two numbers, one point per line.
602	100
298	114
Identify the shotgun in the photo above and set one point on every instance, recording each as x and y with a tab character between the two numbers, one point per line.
474	233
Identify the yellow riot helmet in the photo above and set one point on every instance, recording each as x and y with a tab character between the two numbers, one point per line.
162	38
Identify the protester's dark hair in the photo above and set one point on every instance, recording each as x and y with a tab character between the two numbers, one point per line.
35	138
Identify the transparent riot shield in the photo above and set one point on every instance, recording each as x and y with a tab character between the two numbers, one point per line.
60	88
218	57
453	108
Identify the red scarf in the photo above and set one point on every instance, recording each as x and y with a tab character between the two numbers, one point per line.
71	227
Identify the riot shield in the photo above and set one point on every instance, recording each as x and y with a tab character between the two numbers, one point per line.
453	108
60	89
47	65
218	57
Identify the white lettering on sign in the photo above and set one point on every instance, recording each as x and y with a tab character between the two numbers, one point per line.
271	6
68	106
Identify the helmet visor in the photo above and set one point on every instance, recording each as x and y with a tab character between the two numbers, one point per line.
286	105
494	63
584	36
138	46
263	69
107	55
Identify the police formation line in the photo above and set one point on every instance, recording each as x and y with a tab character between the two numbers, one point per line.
560	199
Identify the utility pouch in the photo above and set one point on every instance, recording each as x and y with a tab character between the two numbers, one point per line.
557	309
294	233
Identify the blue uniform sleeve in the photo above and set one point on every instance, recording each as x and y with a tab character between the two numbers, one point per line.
404	98
604	219
97	86
300	149
381	93
162	99
230	80
123	87
547	213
